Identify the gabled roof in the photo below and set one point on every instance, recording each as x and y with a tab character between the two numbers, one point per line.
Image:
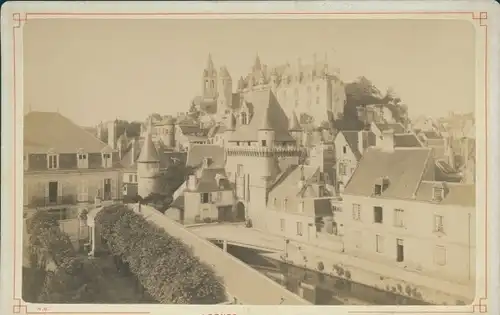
198	152
48	130
207	181
352	138
403	168
193	130
264	104
148	151
455	194
288	184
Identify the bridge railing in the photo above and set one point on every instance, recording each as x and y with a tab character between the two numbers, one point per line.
246	284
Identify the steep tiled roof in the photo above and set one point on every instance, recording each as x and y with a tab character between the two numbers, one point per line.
48	130
148	151
288	185
128	161
264	104
178	203
193	130
403	168
407	140
198	152
456	194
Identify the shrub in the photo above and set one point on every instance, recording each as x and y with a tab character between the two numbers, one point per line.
164	266
49	244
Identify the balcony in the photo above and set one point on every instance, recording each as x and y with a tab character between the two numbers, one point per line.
40	202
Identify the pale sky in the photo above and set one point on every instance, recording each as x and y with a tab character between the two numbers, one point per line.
93	70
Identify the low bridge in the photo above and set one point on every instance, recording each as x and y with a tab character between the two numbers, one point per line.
243	283
239	235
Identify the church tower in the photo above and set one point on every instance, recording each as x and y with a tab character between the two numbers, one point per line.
148	166
209	80
224	92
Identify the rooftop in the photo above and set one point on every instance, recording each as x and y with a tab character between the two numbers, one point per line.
455	194
44	131
263	104
198	152
403	168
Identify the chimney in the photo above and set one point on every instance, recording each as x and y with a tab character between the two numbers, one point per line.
112	134
361	141
387	141
191	184
207	162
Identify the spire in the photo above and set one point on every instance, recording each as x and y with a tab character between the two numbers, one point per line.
257	66
266	123
210	63
294	123
148	151
224	73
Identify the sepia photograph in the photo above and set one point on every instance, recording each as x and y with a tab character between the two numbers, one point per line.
329	160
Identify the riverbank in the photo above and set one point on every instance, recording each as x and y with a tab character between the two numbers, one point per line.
372	273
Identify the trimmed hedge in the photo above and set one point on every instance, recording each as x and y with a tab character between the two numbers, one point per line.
69	282
164	266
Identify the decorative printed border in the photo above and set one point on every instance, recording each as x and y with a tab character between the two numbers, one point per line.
19	19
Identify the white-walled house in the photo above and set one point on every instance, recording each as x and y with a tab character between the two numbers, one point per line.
394	212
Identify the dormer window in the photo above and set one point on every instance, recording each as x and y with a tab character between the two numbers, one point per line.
244	118
52	161
82	160
106	160
380	186
438	193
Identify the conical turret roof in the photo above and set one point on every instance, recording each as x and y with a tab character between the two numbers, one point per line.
148	151
224	73
294	123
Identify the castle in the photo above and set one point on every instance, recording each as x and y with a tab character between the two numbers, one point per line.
311	89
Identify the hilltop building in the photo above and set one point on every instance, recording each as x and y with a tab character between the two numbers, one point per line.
301	88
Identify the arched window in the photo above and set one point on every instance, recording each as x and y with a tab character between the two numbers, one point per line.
244	118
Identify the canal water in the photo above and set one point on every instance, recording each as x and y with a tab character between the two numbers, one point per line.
318	288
